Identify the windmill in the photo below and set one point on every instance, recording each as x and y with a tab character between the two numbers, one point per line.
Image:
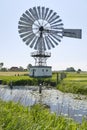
42	29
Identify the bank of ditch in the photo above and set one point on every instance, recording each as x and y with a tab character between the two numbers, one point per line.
71	82
14	116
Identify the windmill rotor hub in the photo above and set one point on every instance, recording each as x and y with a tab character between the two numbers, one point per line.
41	29
39	26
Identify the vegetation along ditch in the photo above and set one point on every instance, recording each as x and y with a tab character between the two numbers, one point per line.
69	109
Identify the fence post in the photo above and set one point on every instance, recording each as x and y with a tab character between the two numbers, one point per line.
40	88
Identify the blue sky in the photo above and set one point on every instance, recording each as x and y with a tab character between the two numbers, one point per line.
70	52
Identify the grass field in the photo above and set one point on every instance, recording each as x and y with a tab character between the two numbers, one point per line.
17	78
14	116
74	83
11	73
22	78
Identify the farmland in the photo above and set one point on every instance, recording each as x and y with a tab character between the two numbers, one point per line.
73	82
13	73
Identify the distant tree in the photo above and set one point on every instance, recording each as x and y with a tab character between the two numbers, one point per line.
28	66
21	68
70	69
4	69
79	70
1	65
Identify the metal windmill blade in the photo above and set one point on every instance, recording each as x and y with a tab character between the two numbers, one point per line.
40	23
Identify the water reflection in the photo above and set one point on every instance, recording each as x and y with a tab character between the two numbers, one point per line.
62	104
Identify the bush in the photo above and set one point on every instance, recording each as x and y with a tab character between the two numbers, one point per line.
24	82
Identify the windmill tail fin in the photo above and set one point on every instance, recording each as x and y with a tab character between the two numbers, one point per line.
73	33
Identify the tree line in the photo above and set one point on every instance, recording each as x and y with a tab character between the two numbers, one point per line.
20	68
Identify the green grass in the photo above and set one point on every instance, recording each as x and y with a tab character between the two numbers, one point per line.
74	83
22	78
14	116
18	80
13	73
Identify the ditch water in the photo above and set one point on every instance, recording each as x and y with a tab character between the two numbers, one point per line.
71	105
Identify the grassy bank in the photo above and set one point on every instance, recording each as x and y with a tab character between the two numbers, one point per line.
16	117
74	83
18	80
22	78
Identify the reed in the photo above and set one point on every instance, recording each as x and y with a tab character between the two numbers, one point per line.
14	116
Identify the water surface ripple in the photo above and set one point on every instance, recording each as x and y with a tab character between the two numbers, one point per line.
61	103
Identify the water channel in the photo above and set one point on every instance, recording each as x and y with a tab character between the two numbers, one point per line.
71	105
